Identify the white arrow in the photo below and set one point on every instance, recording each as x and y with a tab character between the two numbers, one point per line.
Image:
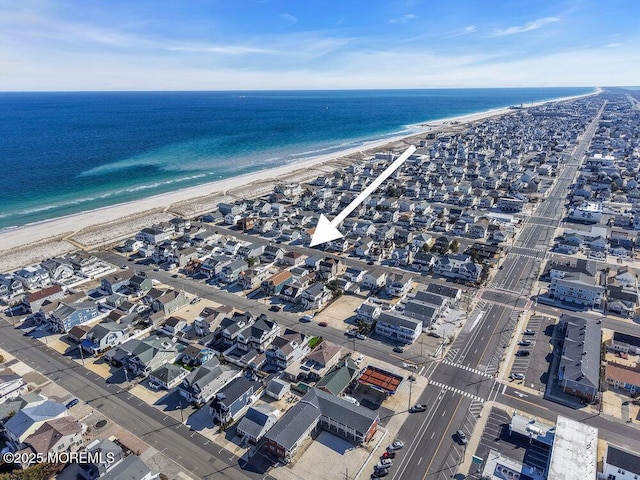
328	230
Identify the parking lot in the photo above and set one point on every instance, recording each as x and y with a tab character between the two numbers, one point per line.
496	436
535	366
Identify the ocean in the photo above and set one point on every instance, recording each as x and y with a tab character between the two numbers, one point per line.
63	153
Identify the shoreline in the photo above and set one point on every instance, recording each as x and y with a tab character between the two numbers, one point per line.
55	229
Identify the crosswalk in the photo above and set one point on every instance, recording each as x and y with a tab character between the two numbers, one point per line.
457	390
467	368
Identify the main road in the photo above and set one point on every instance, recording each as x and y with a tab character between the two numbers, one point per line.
459	384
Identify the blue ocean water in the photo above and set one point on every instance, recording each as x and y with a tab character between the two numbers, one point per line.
62	153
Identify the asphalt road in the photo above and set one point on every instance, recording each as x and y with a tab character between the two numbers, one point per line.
478	343
189	449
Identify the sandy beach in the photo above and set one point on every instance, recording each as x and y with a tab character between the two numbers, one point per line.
93	228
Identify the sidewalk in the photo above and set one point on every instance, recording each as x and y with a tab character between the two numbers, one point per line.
474	441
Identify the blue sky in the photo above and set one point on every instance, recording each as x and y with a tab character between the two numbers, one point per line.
307	44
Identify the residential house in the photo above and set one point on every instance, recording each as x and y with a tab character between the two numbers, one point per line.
374	279
67	316
233	399
287	348
623	377
202	383
104	336
258	335
34	300
398	285
27	420
151	353
340	378
315	296
424	312
60	269
196	354
277	388
398	327
55	436
579	368
620	464
272	253
33	277
257	422
315	364
293	259
317	411
458	267
169	302
231	327
173	325
577	288
140	285
168	376
330	268
367	312
274	284
231	272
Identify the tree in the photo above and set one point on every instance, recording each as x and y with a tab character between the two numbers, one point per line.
364	327
454	246
251	261
426	248
1	359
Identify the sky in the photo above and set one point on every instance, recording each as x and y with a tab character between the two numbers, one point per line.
68	45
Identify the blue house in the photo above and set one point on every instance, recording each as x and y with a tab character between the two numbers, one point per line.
65	317
233	399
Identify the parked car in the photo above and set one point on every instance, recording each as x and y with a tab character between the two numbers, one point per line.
322	324
419	407
306	318
360	336
388	455
528	331
398	349
462	438
525	343
71	403
351	333
359	360
380	472
275	308
385	463
516	376
523	353
397	445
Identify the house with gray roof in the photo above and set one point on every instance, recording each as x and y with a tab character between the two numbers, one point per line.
422	311
579	368
319	410
399	327
232	400
202	383
168	376
151	353
67	316
104	336
257	422
337	380
29	419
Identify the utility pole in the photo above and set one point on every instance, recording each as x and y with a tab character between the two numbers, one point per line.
81	354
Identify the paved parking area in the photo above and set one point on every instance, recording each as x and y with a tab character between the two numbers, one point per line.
535	367
496	436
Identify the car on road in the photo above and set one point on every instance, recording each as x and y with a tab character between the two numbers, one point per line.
397	445
156	269
419	407
275	308
322	324
525	343
175	275
388	455
351	333
523	353
380	472
306	318
360	336
516	376
71	403
462	438
124	266
195	300
500	267
528	331
398	349
369	262
385	463
410	365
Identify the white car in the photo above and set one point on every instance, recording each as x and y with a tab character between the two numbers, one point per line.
397	445
359	360
384	463
410	365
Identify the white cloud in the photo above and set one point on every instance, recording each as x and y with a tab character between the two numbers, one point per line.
288	19
470	29
527	27
404	18
614	45
222	49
